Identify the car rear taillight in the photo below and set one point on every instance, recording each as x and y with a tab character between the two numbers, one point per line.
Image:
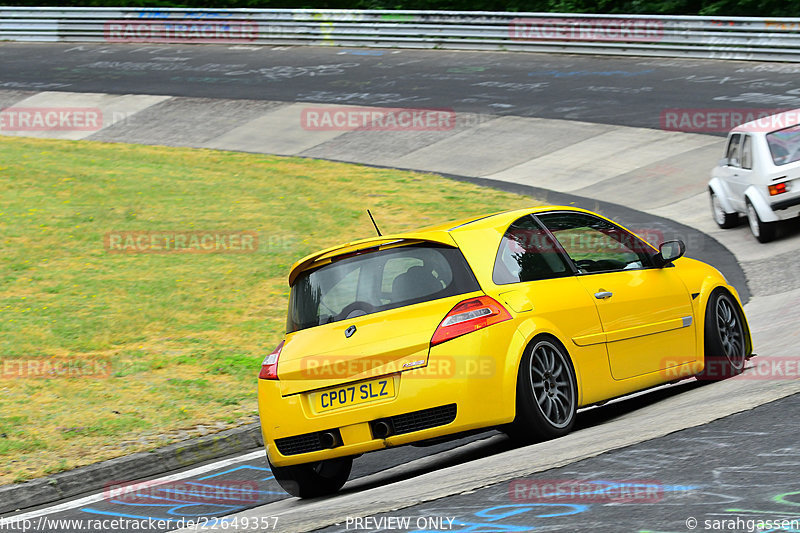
269	368
778	188
468	316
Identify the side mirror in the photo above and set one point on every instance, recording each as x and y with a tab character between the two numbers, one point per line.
668	252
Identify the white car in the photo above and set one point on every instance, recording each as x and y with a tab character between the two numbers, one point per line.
759	177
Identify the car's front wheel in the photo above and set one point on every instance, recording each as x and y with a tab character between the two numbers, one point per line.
763	231
724	338
547	393
310	480
723	219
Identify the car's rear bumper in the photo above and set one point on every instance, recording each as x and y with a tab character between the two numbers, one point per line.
785	204
459	390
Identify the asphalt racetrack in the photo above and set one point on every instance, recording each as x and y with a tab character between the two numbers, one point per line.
607	90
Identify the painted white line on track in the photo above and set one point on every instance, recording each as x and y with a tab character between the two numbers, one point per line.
100	496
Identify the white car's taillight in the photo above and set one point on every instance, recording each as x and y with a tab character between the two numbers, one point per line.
778	188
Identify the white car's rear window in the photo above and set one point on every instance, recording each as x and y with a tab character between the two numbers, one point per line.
784	145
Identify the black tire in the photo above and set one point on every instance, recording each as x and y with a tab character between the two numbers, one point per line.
763	231
310	480
723	219
724	338
547	392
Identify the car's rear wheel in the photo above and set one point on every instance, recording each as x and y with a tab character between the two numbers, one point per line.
724	338
313	479
763	231
547	393
724	220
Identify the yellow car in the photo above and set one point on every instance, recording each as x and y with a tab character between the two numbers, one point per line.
512	320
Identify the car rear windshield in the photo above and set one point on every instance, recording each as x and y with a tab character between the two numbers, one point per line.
377	281
784	145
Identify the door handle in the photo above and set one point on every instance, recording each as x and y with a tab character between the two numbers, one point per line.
602	295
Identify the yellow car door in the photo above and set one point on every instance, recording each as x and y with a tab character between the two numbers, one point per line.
646	312
647	318
534	278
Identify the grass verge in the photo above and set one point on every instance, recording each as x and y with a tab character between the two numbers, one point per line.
177	338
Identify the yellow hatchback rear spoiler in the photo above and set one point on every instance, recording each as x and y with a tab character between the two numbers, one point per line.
329	255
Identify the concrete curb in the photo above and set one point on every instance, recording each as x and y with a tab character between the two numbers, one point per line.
136	466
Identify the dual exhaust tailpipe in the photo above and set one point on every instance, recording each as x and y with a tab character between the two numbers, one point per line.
382	429
330	439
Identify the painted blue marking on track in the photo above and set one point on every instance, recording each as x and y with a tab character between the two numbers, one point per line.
236	469
235	489
132	504
123	515
143	496
180	507
519	508
548	510
182	504
205	495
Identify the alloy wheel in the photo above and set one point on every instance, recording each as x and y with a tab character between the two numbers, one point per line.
552	385
731	334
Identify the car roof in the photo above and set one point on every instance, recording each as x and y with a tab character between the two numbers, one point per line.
440	234
769	123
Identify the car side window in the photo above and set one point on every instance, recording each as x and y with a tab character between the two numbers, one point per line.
747	153
597	245
528	253
732	153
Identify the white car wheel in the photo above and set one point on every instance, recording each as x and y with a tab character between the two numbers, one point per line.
752	218
724	220
763	231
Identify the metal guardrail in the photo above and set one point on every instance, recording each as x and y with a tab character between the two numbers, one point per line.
740	38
